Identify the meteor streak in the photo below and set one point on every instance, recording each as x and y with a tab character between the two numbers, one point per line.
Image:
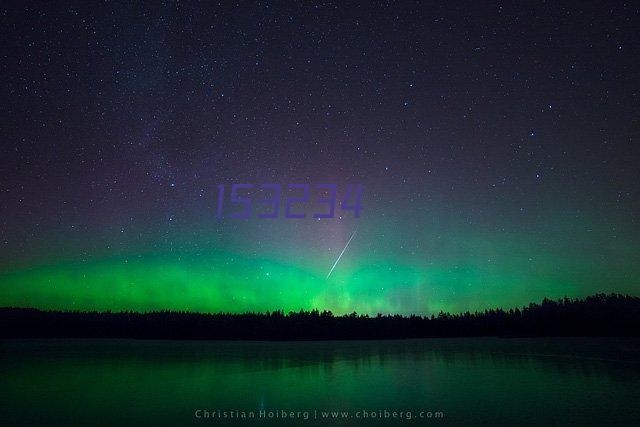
340	256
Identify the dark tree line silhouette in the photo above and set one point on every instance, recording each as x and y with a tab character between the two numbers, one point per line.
597	315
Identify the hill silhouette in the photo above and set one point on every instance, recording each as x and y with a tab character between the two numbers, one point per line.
597	315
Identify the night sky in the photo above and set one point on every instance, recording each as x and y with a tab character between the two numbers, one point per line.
497	146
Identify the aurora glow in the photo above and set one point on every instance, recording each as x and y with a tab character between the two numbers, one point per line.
379	273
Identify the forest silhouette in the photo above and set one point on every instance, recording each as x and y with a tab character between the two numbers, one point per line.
597	315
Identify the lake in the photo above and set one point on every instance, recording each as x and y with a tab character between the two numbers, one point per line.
454	381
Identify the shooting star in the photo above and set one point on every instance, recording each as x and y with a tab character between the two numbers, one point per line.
340	256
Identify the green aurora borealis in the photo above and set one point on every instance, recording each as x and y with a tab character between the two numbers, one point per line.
392	266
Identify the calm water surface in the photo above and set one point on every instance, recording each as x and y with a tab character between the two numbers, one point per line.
470	381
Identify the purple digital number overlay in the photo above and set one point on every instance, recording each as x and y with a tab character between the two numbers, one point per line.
299	195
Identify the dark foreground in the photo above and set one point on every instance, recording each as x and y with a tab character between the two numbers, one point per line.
465	381
597	315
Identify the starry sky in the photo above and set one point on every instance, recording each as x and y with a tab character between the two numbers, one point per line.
497	146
